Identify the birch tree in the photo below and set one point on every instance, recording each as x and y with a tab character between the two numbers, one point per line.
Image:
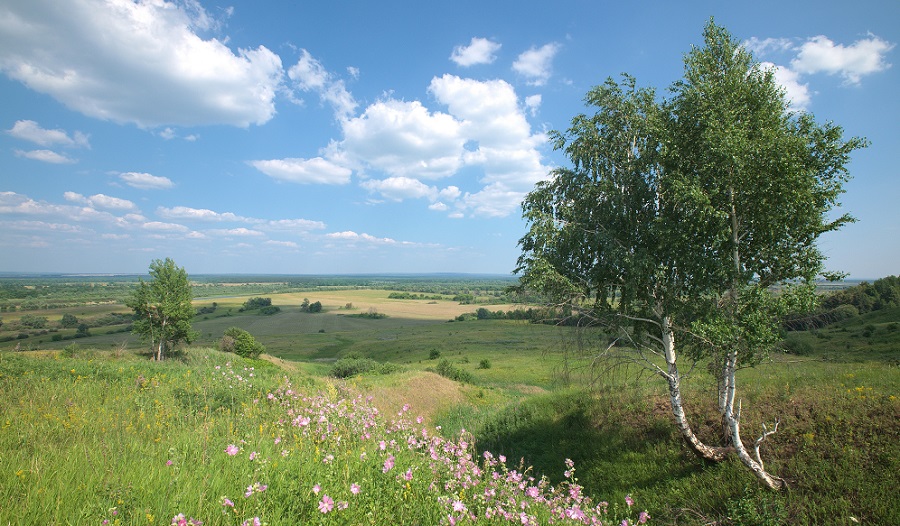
688	226
162	308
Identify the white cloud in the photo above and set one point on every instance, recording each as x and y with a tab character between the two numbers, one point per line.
351	236
283	244
42	226
138	62
145	181
238	232
400	188
297	225
533	103
404	139
100	201
479	51
47	156
32	131
764	46
796	92
309	74
536	63
197	214
158	226
863	57
305	171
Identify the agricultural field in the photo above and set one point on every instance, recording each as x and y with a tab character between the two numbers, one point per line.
105	434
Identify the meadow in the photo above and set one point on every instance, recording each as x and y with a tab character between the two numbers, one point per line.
92	431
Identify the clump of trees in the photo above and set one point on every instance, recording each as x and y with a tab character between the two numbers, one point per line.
687	227
238	341
866	297
314	307
162	308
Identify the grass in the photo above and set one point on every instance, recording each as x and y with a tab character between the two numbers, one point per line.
114	439
99	427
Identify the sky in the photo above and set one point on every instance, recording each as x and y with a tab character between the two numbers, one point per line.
355	137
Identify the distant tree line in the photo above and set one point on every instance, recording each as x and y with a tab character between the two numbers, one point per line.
866	297
263	305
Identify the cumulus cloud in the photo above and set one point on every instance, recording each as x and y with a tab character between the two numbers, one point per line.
238	232
145	181
100	201
305	171
309	74
404	139
863	57
159	226
47	156
351	236
400	188
819	55
137	62
796	92
32	131
197	214
282	244
536	63
297	225
479	51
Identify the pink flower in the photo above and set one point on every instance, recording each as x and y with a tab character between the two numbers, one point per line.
642	517
317	489
169	462
253	455
388	464
408	474
227	502
232	450
326	504
354	488
629	501
459	506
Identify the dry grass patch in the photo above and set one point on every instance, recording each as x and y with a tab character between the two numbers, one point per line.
426	393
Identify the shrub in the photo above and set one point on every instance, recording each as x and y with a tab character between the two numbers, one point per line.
446	369
269	310
241	342
347	367
484	364
434	354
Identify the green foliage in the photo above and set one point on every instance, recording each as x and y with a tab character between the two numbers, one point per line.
32	321
162	308
241	342
434	354
269	310
256	303
68	321
484	364
446	369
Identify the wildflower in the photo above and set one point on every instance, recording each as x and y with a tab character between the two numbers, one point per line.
326	504
277	440
354	488
169	462
459	506
629	501
408	474
227	502
388	464
252	522
317	489
642	517
232	450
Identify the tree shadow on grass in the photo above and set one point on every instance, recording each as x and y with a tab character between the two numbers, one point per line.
613	454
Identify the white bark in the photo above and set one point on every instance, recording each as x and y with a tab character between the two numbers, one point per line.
673	378
733	419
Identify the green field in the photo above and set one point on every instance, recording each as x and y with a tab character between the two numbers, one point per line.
100	421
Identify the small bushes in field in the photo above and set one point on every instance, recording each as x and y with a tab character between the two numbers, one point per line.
434	354
353	366
484	364
446	369
798	346
241	342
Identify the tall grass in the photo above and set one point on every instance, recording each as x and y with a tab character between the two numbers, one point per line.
97	438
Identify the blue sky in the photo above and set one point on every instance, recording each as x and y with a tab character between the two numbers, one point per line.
371	137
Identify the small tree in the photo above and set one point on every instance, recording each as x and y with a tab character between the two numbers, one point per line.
680	219
68	321
162	308
241	342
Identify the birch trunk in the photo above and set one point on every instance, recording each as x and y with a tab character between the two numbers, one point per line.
734	424
673	377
